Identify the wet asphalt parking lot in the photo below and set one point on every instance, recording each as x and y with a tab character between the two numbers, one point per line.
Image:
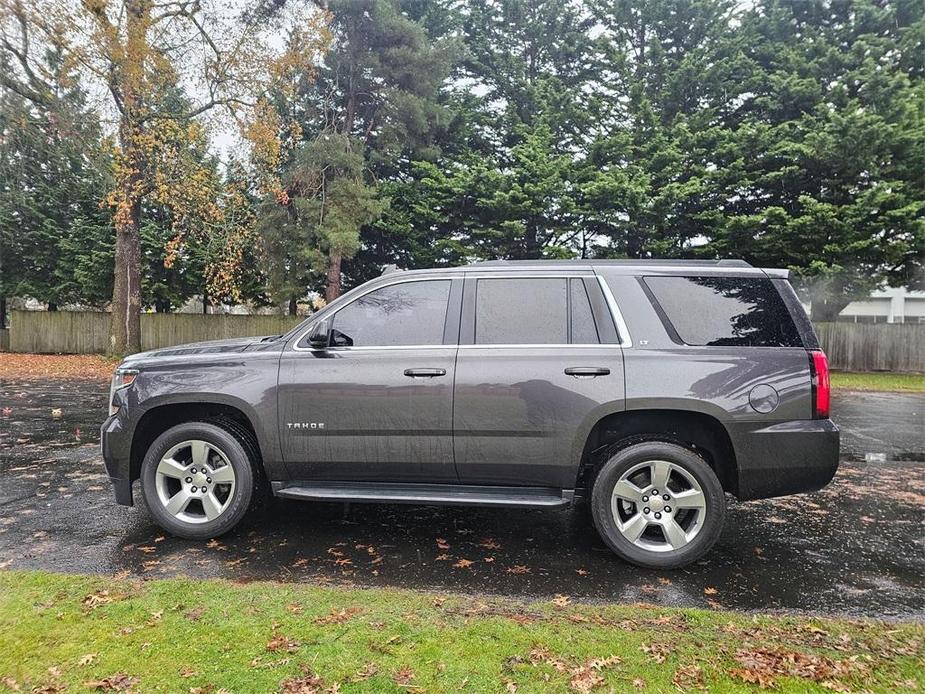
856	547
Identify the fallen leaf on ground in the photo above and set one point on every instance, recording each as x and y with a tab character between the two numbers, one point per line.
308	683
688	677
57	366
603	663
338	616
585	679
463	564
542	655
119	682
403	676
656	651
561	601
282	643
94	600
86	659
710	591
365	672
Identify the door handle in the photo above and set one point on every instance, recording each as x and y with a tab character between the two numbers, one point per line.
425	373
591	371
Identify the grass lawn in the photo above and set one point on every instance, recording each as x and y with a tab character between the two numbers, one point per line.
179	635
882	381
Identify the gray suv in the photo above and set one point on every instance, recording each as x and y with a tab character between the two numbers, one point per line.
648	389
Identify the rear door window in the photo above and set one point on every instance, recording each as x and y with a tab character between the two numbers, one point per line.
717	311
533	311
521	311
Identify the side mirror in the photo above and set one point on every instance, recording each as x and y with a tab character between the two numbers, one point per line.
318	337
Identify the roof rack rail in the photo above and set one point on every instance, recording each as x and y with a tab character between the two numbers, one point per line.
621	261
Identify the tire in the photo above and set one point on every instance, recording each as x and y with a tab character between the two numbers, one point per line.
677	537
217	505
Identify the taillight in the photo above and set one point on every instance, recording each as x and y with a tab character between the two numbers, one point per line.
821	389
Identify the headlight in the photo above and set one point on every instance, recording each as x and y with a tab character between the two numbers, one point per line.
120	379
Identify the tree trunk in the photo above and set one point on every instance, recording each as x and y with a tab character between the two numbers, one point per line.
293	306
531	242
128	79
2	312
824	310
125	324
332	290
205	301
52	306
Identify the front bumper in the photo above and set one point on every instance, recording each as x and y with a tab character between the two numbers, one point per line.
784	458
116	446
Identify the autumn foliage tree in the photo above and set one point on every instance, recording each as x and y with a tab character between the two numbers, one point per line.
142	53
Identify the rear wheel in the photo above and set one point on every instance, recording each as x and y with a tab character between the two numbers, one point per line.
197	480
658	505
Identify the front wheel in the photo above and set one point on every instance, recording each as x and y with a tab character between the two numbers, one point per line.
197	480
658	505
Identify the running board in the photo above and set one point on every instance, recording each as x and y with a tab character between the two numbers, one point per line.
425	494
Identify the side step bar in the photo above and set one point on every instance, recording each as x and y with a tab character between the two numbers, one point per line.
425	494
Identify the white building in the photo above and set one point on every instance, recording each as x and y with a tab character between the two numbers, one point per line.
890	305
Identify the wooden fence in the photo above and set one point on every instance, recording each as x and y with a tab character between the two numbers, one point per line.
873	346
850	346
86	332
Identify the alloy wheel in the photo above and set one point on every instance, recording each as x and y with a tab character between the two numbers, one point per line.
658	506
195	481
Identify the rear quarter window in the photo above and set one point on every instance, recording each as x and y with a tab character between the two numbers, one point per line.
723	311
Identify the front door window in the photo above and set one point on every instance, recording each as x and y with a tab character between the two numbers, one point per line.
404	314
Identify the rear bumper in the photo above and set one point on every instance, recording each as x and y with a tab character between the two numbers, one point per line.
116	447
784	458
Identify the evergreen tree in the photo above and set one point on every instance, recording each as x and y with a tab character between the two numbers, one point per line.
52	179
368	110
507	185
830	152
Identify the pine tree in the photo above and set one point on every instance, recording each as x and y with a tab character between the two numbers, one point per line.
369	110
52	178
